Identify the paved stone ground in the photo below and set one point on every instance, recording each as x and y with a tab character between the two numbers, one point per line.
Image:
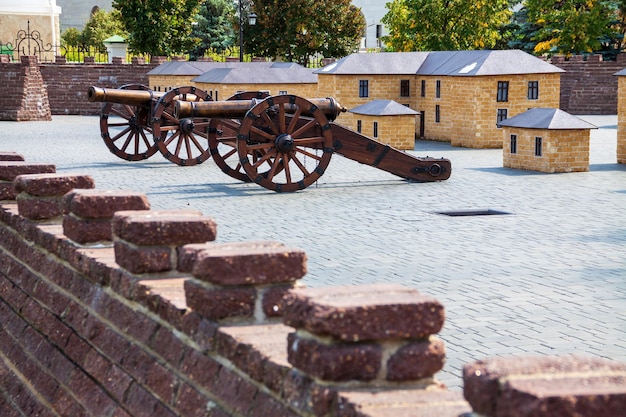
550	278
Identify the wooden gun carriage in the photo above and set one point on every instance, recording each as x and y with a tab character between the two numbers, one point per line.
283	143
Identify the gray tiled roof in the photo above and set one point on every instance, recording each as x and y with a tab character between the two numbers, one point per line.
199	67
450	63
542	118
621	73
276	73
383	108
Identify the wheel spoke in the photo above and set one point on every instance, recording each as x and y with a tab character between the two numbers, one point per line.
172	137
127	142
264	158
301	166
260	132
270	123
294	120
304	128
124	115
309	141
287	169
122	133
308	154
260	146
272	172
145	139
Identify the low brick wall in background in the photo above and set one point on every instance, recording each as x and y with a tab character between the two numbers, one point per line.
589	86
149	316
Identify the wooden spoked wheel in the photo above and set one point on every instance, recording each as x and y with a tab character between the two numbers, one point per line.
127	129
182	141
223	140
297	148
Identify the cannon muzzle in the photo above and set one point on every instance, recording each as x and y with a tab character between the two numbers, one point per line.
234	109
122	96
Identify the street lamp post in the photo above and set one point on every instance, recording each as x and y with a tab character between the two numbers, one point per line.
251	21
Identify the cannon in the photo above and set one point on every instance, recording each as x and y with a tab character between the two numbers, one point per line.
283	143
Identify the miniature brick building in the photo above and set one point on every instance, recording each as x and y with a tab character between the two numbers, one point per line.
546	140
224	79
387	121
461	95
621	117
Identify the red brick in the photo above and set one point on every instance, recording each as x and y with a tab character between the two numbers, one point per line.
483	382
7	191
581	396
38	208
9	170
248	264
188	254
98	204
234	391
220	303
200	368
160	228
416	360
87	230
365	312
140	259
55	184
273	299
335	362
10	156
416	402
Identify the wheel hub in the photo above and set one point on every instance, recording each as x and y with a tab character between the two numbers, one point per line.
186	125
285	143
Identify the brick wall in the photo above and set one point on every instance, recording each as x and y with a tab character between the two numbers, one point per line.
68	83
588	86
562	150
621	121
112	309
397	131
24	96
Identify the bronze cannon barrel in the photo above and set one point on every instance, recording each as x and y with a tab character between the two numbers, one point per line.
121	96
238	108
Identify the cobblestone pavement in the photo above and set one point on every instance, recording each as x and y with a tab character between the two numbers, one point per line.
550	278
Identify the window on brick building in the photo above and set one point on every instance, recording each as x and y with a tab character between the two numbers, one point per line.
502	115
438	89
359	126
437	114
423	89
513	143
364	88
503	91
533	90
405	88
375	129
538	146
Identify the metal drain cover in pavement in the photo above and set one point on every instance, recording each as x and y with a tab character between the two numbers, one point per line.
463	213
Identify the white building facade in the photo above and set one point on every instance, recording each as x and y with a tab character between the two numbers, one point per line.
373	11
32	26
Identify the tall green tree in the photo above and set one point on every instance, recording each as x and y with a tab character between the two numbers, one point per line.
569	26
296	30
430	25
158	27
101	25
213	28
